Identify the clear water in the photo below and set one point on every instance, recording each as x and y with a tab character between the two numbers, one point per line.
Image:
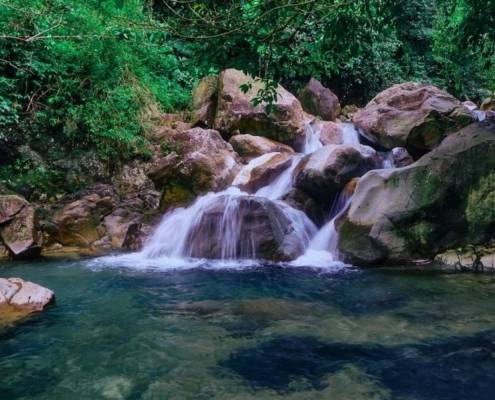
251	333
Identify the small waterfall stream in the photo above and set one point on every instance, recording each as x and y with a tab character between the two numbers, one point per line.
215	224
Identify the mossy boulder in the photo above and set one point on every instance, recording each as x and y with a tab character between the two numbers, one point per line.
413	212
411	115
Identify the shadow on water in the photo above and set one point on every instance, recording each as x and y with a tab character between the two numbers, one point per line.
447	369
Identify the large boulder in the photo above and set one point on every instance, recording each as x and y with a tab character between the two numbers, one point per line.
249	146
325	172
119	224
318	100
236	113
19	298
438	202
18	228
413	116
77	223
199	160
330	132
258	228
262	171
10	205
204	97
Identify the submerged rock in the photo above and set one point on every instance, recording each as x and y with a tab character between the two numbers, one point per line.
413	116
236	113
318	100
417	211
325	172
249	146
19	298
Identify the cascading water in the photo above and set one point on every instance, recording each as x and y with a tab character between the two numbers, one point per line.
226	225
350	134
218	225
322	249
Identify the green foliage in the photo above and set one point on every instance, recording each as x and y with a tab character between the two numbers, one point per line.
79	74
480	210
266	94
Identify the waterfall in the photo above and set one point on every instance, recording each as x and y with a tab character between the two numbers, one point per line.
350	134
220	225
322	249
312	138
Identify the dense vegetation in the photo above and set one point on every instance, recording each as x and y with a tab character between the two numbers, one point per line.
81	76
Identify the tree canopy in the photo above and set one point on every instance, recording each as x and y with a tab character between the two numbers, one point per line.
91	74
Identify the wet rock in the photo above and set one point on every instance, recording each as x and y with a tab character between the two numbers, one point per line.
417	117
204	98
249	146
19	298
403	214
318	100
259	228
325	172
401	157
201	160
330	132
296	198
236	113
262	171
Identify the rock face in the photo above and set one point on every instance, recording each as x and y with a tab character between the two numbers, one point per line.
316	99
236	114
200	161
204	97
259	226
419	210
19	298
18	227
262	171
77	223
325	172
249	146
413	116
